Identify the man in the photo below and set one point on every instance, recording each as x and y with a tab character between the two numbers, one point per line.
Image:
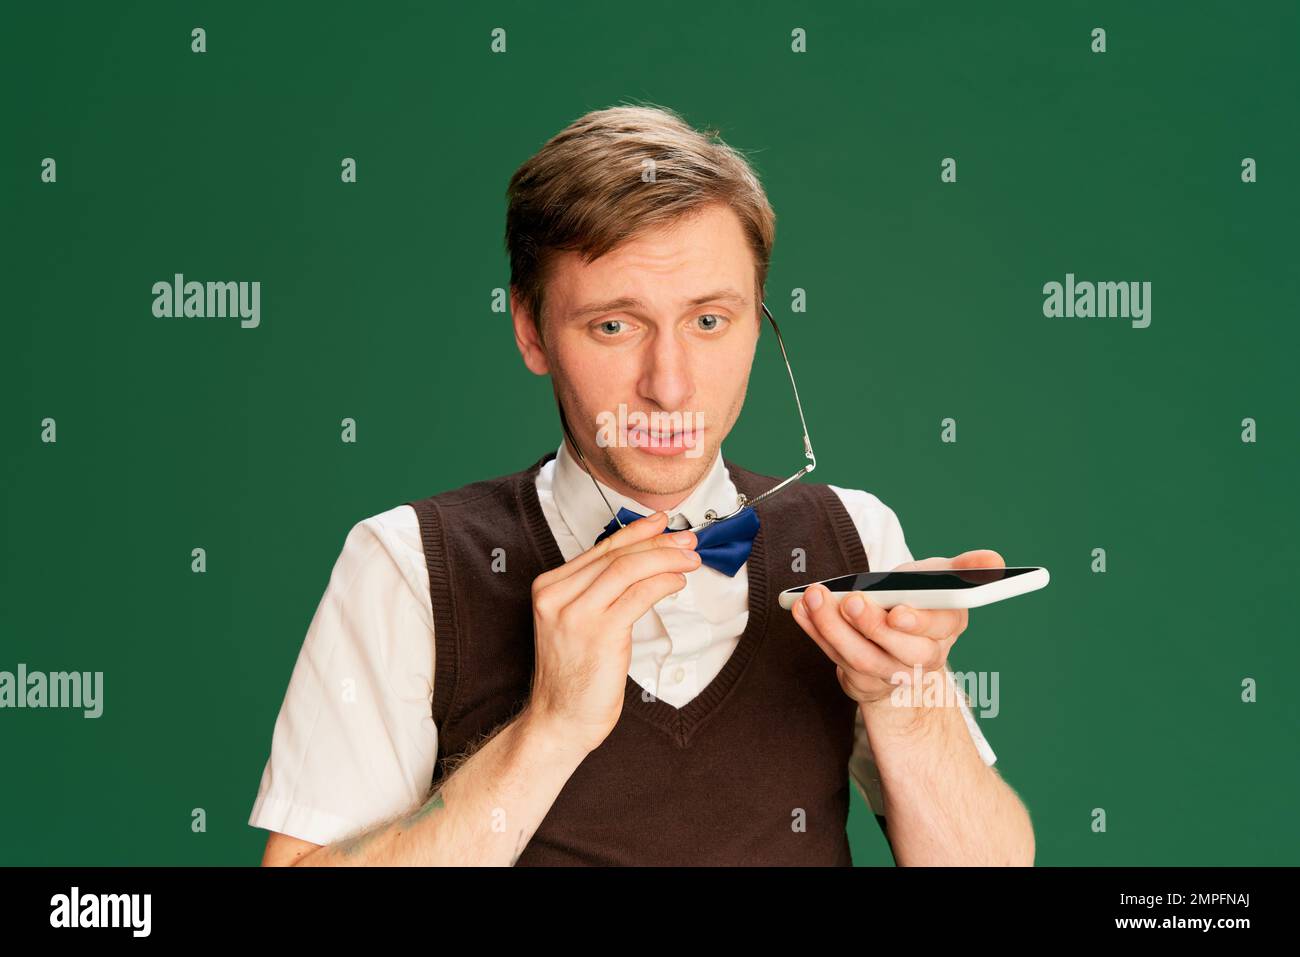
522	671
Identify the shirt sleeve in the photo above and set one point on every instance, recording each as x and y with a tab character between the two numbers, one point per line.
886	548
355	742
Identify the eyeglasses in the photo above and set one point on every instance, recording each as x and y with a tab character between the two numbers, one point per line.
711	515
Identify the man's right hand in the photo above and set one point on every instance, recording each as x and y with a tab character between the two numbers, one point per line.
583	614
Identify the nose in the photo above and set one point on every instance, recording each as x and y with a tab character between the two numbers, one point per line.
666	378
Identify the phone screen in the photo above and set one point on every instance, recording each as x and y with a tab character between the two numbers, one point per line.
920	580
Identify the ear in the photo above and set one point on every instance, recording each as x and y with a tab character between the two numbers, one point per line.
527	337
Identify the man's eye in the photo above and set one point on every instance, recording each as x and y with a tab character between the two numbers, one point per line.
611	326
710	322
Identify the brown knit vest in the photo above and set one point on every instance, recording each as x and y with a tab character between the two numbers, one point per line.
753	770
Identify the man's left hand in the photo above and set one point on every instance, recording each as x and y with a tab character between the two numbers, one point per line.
874	649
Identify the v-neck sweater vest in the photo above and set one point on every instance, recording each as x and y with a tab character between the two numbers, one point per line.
752	771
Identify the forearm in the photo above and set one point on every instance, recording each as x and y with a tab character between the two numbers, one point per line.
482	815
942	804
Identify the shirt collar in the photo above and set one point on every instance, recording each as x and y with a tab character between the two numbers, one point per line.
585	513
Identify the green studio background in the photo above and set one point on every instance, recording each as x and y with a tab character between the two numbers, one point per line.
1120	691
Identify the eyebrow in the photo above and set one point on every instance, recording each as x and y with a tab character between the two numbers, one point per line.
617	305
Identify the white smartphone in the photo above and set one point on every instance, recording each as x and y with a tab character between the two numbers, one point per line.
942	588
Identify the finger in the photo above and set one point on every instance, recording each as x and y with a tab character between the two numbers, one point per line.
925	564
626	570
979	558
567	590
937	623
801	617
845	631
643	529
641	597
857	654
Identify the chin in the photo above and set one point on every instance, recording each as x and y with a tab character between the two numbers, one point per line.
662	475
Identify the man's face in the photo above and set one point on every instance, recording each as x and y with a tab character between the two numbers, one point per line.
665	325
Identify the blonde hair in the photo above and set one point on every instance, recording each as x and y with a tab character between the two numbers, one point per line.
583	191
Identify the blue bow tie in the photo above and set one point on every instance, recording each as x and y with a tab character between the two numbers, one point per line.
724	545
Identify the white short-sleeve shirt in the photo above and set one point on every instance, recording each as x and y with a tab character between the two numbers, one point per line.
355	742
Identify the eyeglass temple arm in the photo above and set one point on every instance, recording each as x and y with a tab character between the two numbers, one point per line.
583	459
807	443
746	502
